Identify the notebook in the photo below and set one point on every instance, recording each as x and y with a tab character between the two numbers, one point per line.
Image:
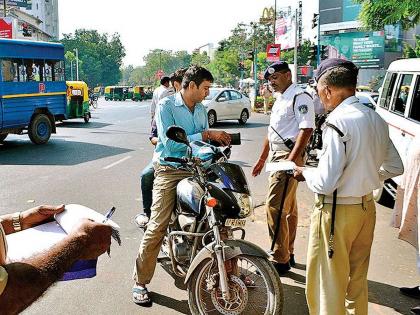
30	242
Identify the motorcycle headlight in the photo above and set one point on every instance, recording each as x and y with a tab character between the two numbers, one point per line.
245	203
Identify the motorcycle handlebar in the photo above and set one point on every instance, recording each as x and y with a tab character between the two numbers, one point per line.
175	160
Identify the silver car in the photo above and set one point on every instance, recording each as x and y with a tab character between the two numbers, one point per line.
226	104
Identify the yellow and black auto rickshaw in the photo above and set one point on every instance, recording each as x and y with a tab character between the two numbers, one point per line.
77	100
109	93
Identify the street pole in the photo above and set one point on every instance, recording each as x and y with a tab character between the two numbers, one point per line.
275	18
296	48
71	70
77	64
318	49
4	8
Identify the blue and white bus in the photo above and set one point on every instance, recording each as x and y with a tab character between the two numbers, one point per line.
32	88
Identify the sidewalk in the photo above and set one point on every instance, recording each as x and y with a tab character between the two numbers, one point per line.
393	262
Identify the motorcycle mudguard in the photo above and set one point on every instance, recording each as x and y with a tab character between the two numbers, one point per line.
231	249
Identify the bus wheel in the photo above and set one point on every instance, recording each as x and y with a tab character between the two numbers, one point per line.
39	130
3	136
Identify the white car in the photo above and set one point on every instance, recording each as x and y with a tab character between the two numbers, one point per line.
370	99
225	104
399	106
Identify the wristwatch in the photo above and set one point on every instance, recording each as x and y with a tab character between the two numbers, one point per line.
16	222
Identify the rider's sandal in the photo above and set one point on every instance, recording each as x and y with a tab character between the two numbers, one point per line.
141	296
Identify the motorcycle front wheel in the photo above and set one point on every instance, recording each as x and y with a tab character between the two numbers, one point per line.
255	288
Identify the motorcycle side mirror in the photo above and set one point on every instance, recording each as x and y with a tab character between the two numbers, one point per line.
177	134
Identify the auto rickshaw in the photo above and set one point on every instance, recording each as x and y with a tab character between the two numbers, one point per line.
77	100
109	93
118	94
148	93
138	94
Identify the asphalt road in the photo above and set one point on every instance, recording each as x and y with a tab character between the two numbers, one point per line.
98	165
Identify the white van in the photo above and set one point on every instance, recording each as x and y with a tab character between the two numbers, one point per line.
399	106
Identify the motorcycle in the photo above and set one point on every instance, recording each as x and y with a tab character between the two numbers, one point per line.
224	274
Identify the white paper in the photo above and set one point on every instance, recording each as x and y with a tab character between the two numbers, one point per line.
280	166
29	242
73	213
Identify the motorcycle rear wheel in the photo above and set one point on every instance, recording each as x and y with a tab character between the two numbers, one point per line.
255	289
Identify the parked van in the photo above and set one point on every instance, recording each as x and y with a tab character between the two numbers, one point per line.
399	106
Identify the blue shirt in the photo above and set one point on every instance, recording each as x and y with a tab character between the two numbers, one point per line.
173	111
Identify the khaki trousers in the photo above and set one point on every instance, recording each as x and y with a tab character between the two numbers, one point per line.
164	197
338	286
289	215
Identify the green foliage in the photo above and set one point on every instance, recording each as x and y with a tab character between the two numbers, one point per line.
200	59
100	56
412	52
375	14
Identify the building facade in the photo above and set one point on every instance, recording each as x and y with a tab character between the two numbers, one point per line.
47	12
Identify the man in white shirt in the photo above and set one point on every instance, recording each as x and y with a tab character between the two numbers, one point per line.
159	93
291	123
357	155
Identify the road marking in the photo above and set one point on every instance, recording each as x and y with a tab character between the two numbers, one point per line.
117	162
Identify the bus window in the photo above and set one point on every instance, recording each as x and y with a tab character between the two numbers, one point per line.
388	87
38	69
48	72
9	70
29	70
401	97
58	70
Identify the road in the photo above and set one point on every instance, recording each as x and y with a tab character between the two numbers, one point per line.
98	165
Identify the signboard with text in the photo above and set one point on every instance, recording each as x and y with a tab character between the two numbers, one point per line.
273	52
365	49
6	27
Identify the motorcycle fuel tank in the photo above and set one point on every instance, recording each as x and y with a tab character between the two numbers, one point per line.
189	195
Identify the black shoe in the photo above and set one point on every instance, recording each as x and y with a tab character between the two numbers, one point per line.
415	310
411	292
282	268
292	261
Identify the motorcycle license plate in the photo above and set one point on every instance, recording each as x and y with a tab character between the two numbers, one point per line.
235	222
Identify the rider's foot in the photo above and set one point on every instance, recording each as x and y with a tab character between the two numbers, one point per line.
141	295
141	220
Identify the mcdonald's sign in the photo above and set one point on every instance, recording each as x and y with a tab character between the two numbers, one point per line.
268	16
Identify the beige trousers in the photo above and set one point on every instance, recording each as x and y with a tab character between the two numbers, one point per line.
285	240
338	286
164	197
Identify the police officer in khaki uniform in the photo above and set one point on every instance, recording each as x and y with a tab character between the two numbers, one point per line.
357	155
291	123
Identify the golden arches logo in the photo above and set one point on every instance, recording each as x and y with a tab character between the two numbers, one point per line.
268	15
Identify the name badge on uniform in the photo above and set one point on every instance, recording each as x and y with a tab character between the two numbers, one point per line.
303	109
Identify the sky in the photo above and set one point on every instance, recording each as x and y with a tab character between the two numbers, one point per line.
145	25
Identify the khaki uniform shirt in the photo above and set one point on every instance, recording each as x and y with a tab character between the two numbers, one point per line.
3	253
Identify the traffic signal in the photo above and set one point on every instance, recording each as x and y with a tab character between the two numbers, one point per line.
315	20
324	52
250	55
26	30
312	54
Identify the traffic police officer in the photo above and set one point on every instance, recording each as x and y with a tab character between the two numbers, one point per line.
291	123
357	155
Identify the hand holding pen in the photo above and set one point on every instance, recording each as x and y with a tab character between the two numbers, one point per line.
115	233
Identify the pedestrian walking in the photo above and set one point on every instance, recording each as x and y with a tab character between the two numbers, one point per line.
357	155
291	123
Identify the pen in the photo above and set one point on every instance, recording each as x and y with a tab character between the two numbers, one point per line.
109	214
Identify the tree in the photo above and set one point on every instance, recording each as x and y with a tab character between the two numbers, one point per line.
200	59
412	52
100	56
375	14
